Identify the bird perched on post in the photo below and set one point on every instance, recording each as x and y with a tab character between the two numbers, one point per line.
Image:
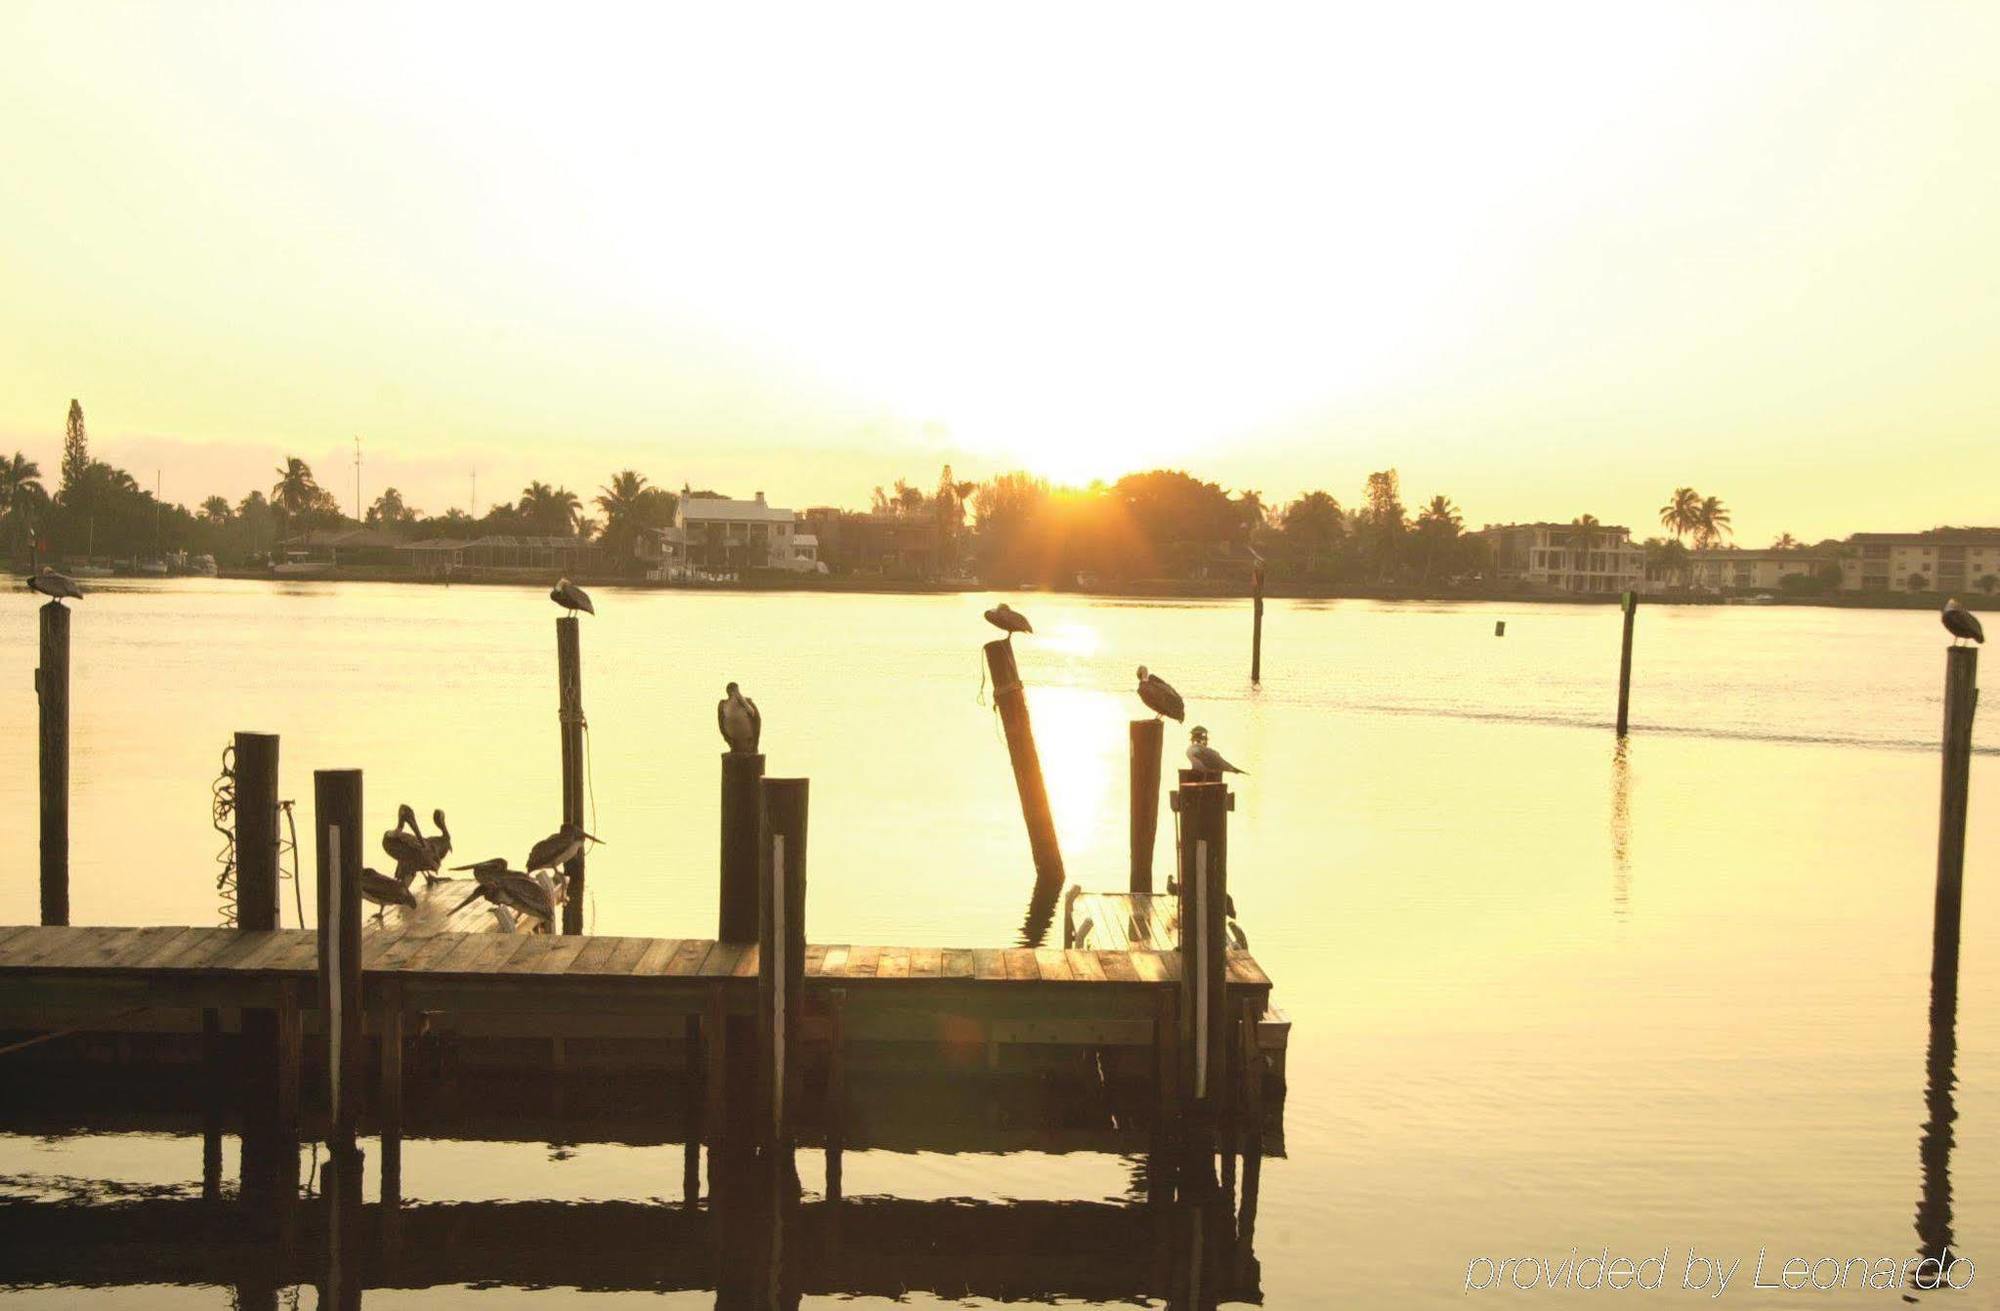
571	597
736	715
1203	756
55	586
382	892
534	898
1008	620
558	848
1160	697
439	845
408	847
1962	624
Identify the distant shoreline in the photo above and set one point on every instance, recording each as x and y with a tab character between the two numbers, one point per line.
1162	589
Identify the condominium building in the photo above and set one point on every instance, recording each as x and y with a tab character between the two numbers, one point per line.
1565	558
1763	571
1941	560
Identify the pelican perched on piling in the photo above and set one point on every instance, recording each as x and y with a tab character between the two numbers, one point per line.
1160	697
1962	624
558	848
571	597
439	846
55	586
408	847
382	892
534	898
1009	620
736	715
1203	756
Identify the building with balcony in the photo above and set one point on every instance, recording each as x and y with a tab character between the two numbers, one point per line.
1756	571
1564	558
1946	560
718	536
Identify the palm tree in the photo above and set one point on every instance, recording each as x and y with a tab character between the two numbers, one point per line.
1786	542
552	511
1583	536
1438	525
1682	514
20	492
295	493
1711	522
216	510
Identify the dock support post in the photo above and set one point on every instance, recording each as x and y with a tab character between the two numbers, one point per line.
1204	892
569	707
781	948
337	816
1148	737
1013	706
1631	605
1961	699
1256	625
52	692
390	1021
254	761
715	1071
742	813
836	1089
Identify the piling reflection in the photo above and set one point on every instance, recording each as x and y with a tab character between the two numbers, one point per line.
1933	1215
1621	830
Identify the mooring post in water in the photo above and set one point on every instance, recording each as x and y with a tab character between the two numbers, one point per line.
52	692
742	814
337	815
1257	623
1961	698
781	953
1204	894
1013	705
1631	607
1148	737
569	709
268	1082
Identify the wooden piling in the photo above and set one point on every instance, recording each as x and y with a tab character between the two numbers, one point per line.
836	1089
569	708
1631	606
52	693
1148	737
389	1112
1013	705
742	815
1961	699
337	816
1204	893
781	948
268	1086
1257	624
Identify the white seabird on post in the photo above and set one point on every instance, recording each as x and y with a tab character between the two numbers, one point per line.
1203	756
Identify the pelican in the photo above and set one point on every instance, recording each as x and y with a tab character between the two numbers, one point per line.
1962	624
1008	620
485	870
558	848
1203	756
535	898
439	847
571	597
381	891
736	715
407	846
55	586
1160	697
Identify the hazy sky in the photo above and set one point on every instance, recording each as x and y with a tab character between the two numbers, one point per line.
1546	259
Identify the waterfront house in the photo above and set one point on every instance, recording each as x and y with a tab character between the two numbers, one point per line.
563	555
719	536
1557	556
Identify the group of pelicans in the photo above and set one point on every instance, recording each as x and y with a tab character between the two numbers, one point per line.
1155	692
516	898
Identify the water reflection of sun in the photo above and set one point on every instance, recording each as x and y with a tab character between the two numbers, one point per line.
1078	733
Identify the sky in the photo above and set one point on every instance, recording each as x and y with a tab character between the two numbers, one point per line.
1544	259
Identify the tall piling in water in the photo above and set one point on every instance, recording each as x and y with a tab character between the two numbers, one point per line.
269	1069
1013	705
742	817
1204	896
1961	698
569	710
781	952
52	694
1257	624
1631	607
1148	737
337	817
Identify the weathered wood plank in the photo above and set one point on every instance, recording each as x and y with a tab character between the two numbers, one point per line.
1020	963
1053	963
596	954
926	962
833	965
894	963
957	963
653	960
688	960
862	962
560	953
1148	966
626	955
721	962
989	963
747	964
1243	968
1117	966
1083	966
815	958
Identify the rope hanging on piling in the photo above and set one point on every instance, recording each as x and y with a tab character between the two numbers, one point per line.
222	814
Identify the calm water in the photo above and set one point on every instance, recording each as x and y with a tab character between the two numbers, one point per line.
1546	993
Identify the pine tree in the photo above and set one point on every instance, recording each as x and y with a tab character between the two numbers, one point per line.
76	452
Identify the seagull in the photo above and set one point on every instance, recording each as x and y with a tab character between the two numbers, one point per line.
571	597
408	847
736	715
1203	756
381	891
1008	620
535	898
558	848
55	586
1160	697
1962	624
439	847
